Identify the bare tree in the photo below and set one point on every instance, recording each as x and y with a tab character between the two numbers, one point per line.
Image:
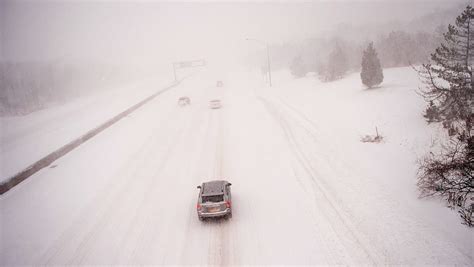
450	175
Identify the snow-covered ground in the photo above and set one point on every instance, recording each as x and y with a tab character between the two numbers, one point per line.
26	139
305	189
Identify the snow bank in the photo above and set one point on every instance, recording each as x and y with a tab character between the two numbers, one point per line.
382	173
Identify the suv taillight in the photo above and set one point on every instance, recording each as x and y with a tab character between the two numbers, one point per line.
227	204
198	206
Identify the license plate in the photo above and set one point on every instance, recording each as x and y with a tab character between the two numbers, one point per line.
214	209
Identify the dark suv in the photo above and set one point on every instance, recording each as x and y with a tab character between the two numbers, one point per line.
214	200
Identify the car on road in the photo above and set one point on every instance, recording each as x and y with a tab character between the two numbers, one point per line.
215	104
214	200
184	100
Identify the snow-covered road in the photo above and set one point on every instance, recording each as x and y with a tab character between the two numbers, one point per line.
128	196
26	139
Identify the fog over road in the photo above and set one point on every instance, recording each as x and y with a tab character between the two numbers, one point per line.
128	196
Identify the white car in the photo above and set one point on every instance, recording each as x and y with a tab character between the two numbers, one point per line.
215	104
184	100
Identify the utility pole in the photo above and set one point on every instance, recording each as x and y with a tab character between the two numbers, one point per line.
268	57
174	71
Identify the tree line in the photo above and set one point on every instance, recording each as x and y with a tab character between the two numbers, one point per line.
333	58
32	85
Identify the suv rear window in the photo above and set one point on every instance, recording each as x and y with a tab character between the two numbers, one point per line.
216	198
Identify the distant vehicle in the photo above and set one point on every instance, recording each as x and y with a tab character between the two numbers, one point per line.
219	83
184	100
215	104
214	200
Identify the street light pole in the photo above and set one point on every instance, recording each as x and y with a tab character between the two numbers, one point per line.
174	71
268	57
269	70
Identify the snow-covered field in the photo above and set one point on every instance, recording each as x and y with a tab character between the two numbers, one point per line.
305	189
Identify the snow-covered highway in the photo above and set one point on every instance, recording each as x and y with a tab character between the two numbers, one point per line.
128	195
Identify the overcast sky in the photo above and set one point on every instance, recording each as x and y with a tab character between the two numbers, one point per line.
147	31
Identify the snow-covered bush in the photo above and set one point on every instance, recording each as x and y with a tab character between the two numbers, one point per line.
377	138
298	68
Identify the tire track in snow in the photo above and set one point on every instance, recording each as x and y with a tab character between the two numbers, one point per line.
195	148
192	221
73	232
192	216
321	226
149	188
413	227
143	239
340	222
219	229
93	218
209	167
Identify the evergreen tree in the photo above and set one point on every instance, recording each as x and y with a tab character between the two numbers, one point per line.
432	113
449	89
371	73
448	79
297	67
